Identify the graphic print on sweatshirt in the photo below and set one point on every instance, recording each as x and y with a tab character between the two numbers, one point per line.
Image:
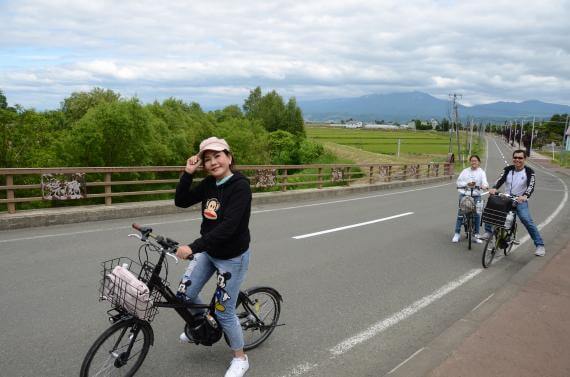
212	205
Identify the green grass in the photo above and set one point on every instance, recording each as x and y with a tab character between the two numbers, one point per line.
412	143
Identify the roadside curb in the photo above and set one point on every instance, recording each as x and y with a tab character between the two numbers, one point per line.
68	215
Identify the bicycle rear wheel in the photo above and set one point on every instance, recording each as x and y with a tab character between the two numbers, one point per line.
258	315
489	250
119	351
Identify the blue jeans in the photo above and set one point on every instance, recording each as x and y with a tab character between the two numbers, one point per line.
199	271
477	217
523	214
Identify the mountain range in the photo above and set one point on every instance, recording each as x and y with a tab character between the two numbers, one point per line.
403	107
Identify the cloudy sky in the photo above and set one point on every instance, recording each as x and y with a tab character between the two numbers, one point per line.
214	52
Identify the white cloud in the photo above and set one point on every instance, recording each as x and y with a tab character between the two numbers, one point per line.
216	51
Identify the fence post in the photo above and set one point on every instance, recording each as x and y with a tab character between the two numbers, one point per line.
284	187
428	170
346	171
371	174
10	194
418	171
108	197
320	178
405	171
389	173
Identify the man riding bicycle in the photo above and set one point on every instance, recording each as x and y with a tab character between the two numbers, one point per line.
520	180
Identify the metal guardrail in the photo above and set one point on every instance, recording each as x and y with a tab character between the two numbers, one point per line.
29	185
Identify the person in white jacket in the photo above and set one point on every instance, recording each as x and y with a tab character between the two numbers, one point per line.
472	176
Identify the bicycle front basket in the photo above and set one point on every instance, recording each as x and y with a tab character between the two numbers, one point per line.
467	205
123	285
496	210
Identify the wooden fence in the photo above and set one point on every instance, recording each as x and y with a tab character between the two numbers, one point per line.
53	186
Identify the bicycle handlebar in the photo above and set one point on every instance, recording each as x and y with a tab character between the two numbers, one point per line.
168	245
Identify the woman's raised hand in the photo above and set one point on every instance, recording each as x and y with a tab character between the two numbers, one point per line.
192	164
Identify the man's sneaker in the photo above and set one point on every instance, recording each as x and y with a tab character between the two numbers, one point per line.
184	338
477	240
540	251
455	237
486	236
238	367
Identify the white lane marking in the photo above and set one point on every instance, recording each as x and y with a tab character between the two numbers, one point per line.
405	361
199	218
482	302
351	226
394	319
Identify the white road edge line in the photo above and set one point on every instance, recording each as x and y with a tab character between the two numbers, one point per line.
394	319
405	361
351	226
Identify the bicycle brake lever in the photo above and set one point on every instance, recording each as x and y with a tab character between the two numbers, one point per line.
173	256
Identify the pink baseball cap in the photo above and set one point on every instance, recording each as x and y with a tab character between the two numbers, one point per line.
213	144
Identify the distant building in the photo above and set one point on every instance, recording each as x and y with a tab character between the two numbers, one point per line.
381	126
353	124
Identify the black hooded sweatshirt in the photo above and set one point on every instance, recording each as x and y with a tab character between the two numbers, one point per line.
225	214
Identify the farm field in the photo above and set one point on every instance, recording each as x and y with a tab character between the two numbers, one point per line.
414	145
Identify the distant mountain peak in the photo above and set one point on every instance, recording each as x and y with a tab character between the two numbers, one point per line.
405	106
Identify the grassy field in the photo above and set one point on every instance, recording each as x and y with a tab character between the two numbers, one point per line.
414	145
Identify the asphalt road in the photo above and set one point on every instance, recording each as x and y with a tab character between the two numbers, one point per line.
358	300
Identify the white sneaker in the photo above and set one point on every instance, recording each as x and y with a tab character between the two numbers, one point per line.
540	251
486	236
184	338
238	367
477	240
455	238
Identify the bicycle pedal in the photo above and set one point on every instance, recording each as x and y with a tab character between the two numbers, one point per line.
516	242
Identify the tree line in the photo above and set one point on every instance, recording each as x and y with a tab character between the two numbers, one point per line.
102	128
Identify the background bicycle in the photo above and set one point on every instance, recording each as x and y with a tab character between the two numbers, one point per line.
136	291
470	208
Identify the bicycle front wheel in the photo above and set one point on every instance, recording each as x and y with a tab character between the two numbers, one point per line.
119	351
489	251
258	315
469	228
512	236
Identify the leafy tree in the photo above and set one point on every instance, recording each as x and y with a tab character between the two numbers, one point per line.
284	148
77	105
270	109
112	134
3	101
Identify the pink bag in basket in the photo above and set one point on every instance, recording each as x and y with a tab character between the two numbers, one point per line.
124	289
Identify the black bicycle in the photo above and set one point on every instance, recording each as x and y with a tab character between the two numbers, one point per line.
468	207
504	233
137	290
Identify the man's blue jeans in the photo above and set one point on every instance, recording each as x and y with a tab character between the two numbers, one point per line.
199	271
523	214
477	217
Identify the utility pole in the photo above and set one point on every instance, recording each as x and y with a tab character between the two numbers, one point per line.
532	135
455	117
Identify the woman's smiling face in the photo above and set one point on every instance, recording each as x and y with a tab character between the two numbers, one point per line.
217	164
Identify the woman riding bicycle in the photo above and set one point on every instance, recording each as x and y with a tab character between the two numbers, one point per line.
224	239
470	177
